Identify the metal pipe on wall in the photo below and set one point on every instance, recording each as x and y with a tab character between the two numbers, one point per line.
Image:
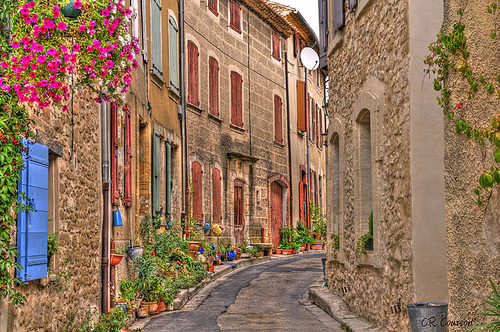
185	176
105	209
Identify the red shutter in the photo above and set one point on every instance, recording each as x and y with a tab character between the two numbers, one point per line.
313	111
235	16
317	124
278	123
216	196
236	99
212	5
276	46
321	128
214	86
128	157
196	172
301	105
115	196
315	189
309	114
302	44
193	74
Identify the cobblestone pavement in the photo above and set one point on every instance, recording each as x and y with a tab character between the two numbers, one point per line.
267	297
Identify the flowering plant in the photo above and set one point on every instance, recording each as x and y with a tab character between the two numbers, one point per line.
47	47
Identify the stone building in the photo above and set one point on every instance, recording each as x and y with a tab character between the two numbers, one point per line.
304	36
236	117
385	156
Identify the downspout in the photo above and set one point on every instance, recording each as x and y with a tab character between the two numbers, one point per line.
182	114
289	129
105	212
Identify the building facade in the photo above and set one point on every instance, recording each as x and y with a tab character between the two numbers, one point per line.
236	118
385	157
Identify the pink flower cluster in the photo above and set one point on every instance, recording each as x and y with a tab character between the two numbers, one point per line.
101	53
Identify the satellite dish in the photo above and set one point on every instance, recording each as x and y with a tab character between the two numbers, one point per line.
309	58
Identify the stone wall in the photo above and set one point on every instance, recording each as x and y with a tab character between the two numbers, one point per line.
472	231
370	73
210	139
73	285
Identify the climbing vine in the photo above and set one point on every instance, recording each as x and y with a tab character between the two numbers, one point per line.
450	55
14	124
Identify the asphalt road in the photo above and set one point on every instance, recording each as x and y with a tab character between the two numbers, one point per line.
267	297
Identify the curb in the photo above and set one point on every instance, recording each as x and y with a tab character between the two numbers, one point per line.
334	306
219	271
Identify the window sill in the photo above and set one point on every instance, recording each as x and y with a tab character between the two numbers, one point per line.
194	108
361	7
279	145
214	118
237	128
174	95
336	42
157	79
368	259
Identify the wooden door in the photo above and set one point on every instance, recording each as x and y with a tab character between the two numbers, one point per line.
276	212
239	220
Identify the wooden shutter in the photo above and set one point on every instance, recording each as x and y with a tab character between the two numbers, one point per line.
196	173
212	5
321	127
315	189
295	44
214	86
276	46
235	13
115	195
216	195
339	15
168	177
173	54
236	99
32	224
156	36
128	158
302	44
238	203
316	118
144	30
353	4
309	115
301	106
278	122
193	74
155	181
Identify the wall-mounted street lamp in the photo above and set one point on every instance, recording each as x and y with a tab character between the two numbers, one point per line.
325	137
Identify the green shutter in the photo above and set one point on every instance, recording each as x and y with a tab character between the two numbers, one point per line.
155	183
168	148
173	55
156	36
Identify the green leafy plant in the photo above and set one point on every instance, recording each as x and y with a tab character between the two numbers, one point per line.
318	219
363	240
336	241
494	302
52	243
345	327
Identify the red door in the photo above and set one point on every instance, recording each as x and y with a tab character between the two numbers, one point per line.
276	212
239	220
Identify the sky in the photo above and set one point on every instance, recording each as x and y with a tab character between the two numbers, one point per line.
308	9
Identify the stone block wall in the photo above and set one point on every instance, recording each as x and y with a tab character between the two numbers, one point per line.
370	74
73	285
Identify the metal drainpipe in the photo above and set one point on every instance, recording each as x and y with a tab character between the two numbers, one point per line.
185	176
307	154
105	212
289	129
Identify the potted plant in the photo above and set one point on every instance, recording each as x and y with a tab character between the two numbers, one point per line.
365	242
52	246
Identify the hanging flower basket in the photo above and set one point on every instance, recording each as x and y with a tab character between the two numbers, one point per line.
115	259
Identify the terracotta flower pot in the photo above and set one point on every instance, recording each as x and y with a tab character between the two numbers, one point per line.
142	312
211	268
162	307
115	259
152	307
278	251
308	246
194	245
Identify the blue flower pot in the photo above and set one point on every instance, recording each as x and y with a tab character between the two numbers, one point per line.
230	256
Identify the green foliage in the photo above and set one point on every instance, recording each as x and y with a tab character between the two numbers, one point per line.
318	219
345	327
494	312
336	241
450	54
116	320
52	243
361	244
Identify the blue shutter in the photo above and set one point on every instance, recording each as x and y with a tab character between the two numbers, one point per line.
156	35
32	225
156	172
174	59
168	179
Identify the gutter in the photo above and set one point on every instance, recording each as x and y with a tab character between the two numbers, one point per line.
289	129
182	115
105	208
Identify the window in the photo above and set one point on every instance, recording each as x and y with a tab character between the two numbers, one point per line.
336	184
144	30
236	99
339	15
216	196
235	16
173	54
278	123
168	180
156	37
239	215
193	55
128	158
321	118
196	174
32	225
276	46
155	168
213	86
115	195
301	106
135	21
364	171
318	78
212	5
